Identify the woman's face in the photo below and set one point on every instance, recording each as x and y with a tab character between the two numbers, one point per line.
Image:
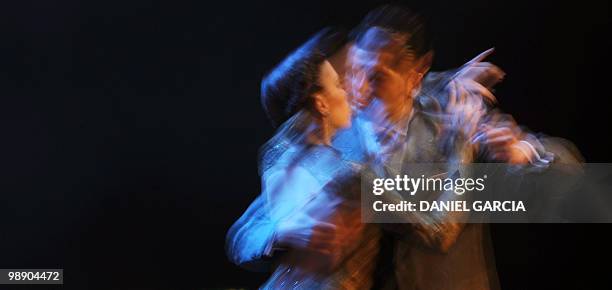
337	107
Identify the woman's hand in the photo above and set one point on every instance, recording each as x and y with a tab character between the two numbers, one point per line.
301	231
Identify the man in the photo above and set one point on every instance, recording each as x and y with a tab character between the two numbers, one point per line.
446	117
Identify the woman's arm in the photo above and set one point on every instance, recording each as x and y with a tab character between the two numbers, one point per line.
275	221
288	194
250	239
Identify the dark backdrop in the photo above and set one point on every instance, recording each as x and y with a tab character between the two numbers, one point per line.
130	129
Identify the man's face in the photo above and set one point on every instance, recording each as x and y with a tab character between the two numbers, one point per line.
386	72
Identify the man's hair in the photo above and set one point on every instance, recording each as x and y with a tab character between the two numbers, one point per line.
395	19
289	86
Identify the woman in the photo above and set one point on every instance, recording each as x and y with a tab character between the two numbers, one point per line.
307	218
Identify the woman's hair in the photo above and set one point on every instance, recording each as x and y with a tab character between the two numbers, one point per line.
286	96
288	87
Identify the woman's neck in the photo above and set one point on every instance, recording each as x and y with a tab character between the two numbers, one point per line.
321	135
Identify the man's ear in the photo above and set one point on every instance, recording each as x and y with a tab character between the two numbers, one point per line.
320	104
425	61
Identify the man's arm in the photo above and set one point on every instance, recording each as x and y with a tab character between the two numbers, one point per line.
436	230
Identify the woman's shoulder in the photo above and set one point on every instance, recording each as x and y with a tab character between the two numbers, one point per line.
289	169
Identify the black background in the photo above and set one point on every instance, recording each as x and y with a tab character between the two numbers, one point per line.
130	129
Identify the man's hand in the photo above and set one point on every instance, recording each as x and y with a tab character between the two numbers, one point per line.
503	144
484	73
